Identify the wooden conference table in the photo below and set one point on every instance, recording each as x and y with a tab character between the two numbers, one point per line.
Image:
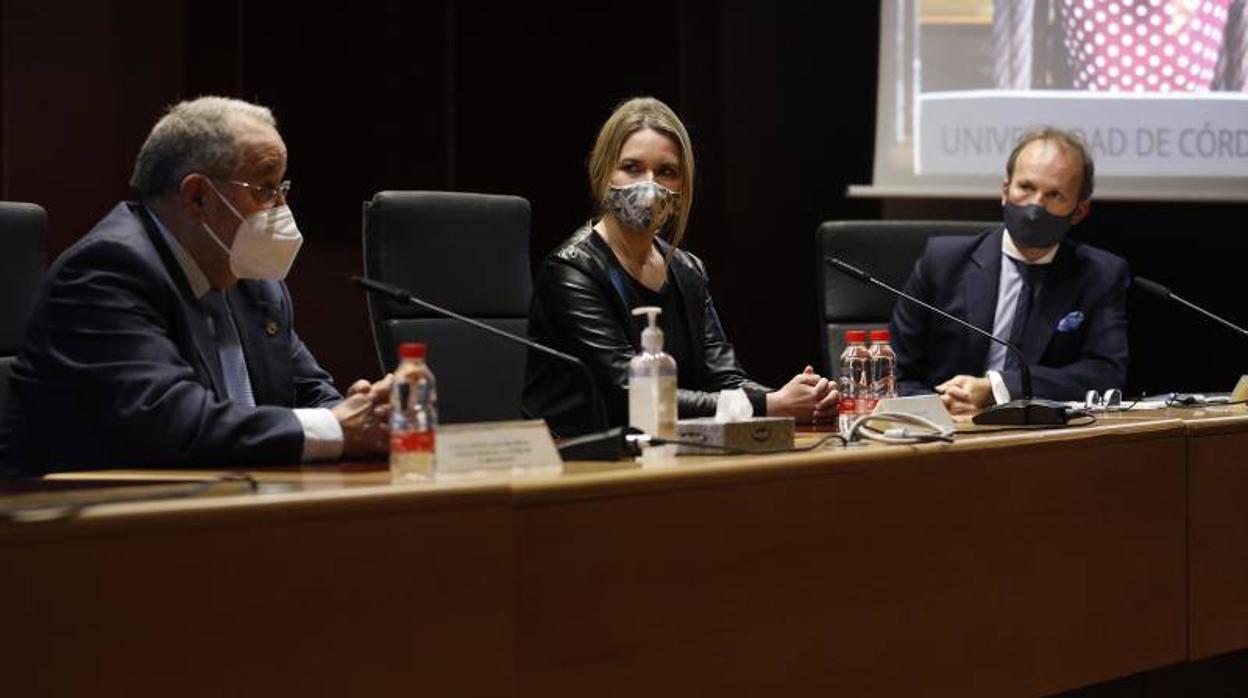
1003	564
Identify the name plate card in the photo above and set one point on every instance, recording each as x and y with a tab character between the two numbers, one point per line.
477	446
1241	390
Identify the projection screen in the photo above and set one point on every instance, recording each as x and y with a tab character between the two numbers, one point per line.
1157	88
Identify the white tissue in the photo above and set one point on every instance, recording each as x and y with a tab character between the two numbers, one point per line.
733	406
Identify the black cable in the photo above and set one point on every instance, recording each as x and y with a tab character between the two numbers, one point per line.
820	442
1121	407
1181	404
732	450
1092	418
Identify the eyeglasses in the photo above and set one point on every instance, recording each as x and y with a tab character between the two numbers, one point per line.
1109	401
264	193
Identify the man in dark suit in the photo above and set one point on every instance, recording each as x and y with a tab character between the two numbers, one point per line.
1063	303
164	336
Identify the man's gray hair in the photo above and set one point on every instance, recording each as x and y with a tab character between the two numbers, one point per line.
196	136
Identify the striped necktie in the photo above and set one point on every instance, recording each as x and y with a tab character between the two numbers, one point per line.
229	349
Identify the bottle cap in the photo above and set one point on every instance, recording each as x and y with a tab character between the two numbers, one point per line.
879	335
855	335
412	350
652	336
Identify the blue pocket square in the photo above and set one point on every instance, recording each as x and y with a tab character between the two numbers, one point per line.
1071	322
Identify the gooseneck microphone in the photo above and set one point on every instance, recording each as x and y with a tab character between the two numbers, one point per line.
1025	411
1153	288
611	444
860	275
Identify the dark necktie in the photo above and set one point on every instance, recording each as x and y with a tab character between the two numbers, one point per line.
1032	277
229	349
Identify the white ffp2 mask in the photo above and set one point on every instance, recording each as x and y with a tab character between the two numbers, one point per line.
265	243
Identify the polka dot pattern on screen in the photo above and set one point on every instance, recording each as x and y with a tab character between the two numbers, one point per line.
1144	45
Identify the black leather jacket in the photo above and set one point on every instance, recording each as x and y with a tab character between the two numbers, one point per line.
576	310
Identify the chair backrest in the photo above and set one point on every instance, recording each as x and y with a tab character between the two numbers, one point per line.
468	253
886	249
23	228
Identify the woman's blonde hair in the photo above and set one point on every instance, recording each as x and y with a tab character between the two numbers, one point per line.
630	117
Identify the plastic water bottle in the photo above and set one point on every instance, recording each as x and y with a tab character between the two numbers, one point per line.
413	415
855	380
883	368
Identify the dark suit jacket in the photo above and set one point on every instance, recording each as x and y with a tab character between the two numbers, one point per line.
119	367
1067	355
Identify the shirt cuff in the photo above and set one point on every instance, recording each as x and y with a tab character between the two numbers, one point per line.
1000	393
322	435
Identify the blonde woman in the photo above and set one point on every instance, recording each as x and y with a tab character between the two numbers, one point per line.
641	180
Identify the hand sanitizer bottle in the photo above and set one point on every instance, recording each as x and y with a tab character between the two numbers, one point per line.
652	385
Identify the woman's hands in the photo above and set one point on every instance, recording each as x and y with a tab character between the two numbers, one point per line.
808	397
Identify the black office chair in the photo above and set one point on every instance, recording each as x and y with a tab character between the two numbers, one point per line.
23	228
468	253
886	249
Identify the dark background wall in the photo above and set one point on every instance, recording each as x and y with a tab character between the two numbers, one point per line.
474	96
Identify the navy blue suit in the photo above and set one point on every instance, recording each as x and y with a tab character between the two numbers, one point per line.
1076	340
119	367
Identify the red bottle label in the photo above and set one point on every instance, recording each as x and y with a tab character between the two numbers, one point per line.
412	442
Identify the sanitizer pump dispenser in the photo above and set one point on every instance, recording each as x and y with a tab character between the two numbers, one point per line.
652	383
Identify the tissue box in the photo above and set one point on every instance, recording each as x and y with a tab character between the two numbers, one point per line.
756	435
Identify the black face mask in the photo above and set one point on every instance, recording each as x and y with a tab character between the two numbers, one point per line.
1033	226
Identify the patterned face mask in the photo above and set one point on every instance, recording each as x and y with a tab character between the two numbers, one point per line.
643	206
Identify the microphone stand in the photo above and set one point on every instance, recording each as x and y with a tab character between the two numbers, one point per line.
1021	412
1156	289
1240	392
611	444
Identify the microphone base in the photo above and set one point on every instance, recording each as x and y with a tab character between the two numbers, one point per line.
1020	413
612	444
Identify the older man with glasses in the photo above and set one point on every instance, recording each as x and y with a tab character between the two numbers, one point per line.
163	337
